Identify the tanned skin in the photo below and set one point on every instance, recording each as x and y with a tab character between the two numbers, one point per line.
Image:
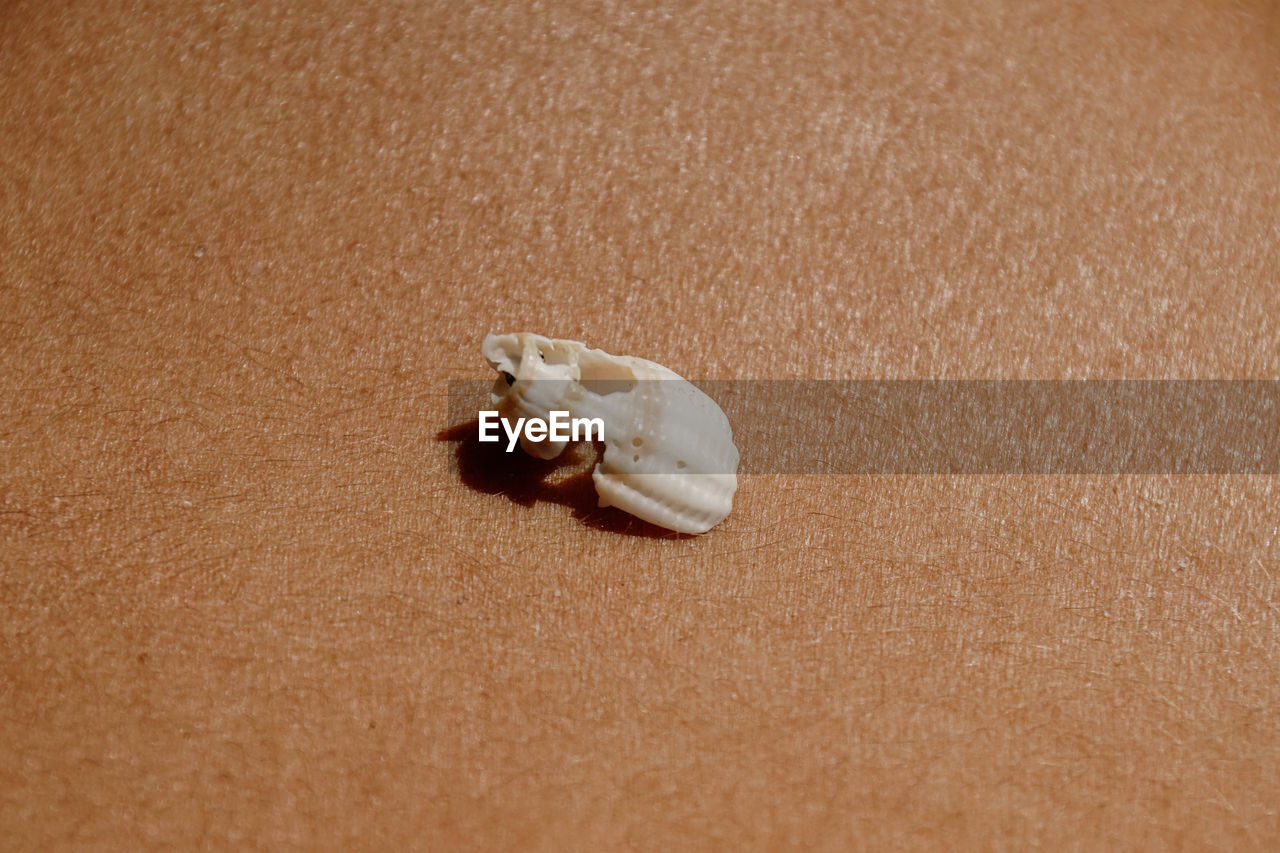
258	588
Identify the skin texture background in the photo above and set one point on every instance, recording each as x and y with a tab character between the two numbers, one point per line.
249	598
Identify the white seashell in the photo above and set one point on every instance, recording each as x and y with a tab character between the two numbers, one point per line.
669	455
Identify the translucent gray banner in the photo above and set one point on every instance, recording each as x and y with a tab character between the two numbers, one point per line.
978	426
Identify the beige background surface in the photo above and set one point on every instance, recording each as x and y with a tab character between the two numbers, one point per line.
245	601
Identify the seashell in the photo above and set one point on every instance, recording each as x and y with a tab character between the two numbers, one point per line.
669	456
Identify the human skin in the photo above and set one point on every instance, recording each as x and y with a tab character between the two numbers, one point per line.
258	590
